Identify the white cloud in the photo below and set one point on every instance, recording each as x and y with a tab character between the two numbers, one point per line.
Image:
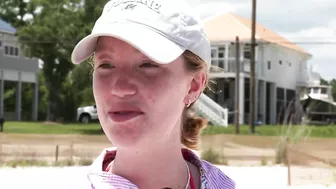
214	8
326	68
315	33
332	24
312	34
320	42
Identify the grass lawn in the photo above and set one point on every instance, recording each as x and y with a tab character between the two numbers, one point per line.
51	128
94	129
40	139
277	130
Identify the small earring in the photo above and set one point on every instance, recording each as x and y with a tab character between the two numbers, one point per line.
189	102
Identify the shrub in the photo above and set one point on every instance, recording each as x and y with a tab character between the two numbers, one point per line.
211	156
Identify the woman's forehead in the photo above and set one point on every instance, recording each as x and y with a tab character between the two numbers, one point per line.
111	46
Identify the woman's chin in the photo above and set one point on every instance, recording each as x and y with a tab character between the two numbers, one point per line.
125	135
125	141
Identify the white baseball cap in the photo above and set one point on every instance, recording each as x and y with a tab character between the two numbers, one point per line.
160	29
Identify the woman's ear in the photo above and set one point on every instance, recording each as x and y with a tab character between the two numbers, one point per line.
196	86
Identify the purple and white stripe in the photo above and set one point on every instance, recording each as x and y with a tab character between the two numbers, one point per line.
211	176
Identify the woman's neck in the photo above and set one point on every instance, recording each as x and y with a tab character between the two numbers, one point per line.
153	167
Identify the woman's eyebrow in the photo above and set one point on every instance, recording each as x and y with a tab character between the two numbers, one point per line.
103	55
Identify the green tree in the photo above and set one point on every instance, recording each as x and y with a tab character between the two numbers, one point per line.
77	91
9	96
48	37
42	98
27	98
333	88
50	34
324	82
14	11
81	79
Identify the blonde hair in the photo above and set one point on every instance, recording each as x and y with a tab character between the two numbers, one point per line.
191	124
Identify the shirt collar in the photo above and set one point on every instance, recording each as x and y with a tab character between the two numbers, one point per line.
98	177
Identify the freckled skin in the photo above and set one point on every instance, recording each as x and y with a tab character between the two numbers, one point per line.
160	92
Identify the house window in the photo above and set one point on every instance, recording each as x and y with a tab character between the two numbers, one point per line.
11	51
315	90
280	62
221	63
213	53
16	51
323	90
247	51
0	43
247	54
221	52
269	65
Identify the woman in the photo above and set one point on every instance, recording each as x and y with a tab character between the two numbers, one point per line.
151	60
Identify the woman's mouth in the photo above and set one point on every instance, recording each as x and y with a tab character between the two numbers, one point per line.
123	116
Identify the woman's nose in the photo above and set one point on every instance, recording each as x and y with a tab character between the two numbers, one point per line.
123	86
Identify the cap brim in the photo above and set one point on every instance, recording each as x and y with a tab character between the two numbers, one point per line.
151	43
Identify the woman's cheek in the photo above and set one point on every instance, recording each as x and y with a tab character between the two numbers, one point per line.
100	88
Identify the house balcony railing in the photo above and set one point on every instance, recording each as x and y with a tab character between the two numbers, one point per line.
210	109
229	66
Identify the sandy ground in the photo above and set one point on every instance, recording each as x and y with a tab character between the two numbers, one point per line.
274	177
244	155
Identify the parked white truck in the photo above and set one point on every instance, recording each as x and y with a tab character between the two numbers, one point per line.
87	114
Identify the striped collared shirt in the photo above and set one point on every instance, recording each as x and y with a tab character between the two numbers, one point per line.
211	177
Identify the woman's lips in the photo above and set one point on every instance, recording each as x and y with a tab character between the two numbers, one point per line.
123	116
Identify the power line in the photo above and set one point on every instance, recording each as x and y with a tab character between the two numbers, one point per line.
66	41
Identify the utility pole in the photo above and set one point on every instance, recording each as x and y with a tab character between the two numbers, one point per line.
237	109
252	66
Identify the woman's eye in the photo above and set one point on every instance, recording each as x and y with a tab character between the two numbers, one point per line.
105	66
148	65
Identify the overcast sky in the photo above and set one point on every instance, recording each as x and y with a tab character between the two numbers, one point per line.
310	23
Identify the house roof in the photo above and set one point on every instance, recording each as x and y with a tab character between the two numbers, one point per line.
227	26
5	27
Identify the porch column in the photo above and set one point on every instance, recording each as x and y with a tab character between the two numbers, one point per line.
215	60
257	62
226	57
221	97
286	108
285	98
298	108
273	101
242	65
256	99
18	97
2	90
241	98
35	99
262	100
232	91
